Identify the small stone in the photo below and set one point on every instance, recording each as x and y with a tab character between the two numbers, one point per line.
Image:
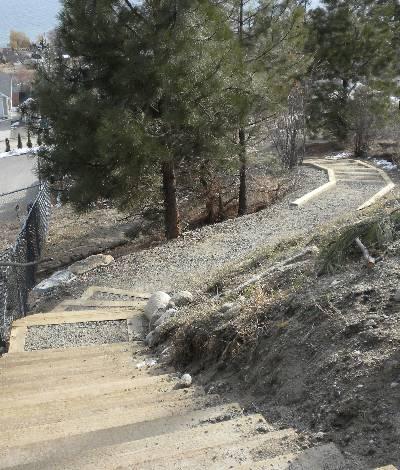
394	384
226	307
231	312
185	381
182	298
153	338
90	263
262	429
170	313
171	304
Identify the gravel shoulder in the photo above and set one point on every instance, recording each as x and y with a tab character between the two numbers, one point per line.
76	334
186	263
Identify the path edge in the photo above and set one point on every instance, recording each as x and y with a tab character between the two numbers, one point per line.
321	189
382	192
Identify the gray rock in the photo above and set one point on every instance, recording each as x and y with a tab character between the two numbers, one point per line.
156	303
153	338
182	298
185	381
231	312
394	384
59	278
226	307
170	313
90	263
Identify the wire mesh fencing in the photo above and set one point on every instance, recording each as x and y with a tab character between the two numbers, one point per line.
18	265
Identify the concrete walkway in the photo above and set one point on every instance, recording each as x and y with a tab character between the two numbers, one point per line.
16	172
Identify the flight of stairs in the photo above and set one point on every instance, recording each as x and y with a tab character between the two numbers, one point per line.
112	406
352	171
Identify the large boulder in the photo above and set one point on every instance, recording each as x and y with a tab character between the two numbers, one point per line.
182	298
59	278
167	315
156	303
90	263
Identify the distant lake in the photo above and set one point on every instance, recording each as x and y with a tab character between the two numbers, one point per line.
33	17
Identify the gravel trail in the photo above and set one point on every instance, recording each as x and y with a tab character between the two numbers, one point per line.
187	262
76	334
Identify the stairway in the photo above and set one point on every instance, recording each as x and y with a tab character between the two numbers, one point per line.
353	171
109	406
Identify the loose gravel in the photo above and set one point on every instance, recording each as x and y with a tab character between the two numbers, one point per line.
76	334
190	260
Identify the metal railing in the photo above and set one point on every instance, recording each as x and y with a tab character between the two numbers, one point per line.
18	264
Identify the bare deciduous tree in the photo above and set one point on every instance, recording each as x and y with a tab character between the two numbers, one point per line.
367	113
288	133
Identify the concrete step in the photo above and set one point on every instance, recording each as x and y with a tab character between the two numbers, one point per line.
72	304
56	411
109	427
228	455
198	444
93	292
363	181
46	373
141	386
357	172
83	353
79	316
387	467
63	379
326	457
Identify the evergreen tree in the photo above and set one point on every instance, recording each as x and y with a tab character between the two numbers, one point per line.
145	88
352	42
19	141
29	142
271	37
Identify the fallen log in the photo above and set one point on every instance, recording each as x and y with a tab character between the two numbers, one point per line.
364	250
287	262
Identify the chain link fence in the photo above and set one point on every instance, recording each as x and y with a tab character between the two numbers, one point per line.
18	264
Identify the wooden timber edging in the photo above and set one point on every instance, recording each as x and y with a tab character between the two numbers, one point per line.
382	192
321	189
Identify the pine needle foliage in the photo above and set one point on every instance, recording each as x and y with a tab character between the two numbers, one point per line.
131	89
376	232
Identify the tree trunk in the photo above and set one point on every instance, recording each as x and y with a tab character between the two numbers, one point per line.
242	137
172	223
243	174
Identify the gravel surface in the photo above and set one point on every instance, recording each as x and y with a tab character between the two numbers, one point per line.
190	261
187	262
76	334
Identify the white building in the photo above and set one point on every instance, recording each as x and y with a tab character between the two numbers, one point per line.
5	106
6	94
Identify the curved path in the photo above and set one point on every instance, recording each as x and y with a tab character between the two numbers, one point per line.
189	261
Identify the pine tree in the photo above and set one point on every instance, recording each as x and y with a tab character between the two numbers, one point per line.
19	141
352	42
270	35
29	142
146	87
